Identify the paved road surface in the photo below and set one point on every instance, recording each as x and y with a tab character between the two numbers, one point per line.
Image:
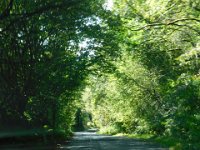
92	141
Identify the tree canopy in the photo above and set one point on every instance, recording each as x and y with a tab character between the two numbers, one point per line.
133	67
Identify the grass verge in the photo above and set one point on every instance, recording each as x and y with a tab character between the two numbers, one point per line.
165	141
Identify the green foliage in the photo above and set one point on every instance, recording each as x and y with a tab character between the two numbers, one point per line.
43	65
155	85
135	67
116	100
111	130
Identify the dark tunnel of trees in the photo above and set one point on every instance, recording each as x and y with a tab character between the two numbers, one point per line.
133	67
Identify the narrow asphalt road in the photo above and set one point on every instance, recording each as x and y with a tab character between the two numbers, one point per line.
93	141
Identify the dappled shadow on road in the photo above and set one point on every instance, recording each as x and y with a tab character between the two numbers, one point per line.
92	141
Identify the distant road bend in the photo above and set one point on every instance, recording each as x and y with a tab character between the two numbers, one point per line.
93	141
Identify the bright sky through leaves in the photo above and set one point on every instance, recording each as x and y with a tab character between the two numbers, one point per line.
109	4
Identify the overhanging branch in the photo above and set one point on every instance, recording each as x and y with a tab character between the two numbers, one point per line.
167	23
38	11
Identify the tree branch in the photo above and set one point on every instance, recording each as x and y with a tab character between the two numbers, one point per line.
41	10
169	23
